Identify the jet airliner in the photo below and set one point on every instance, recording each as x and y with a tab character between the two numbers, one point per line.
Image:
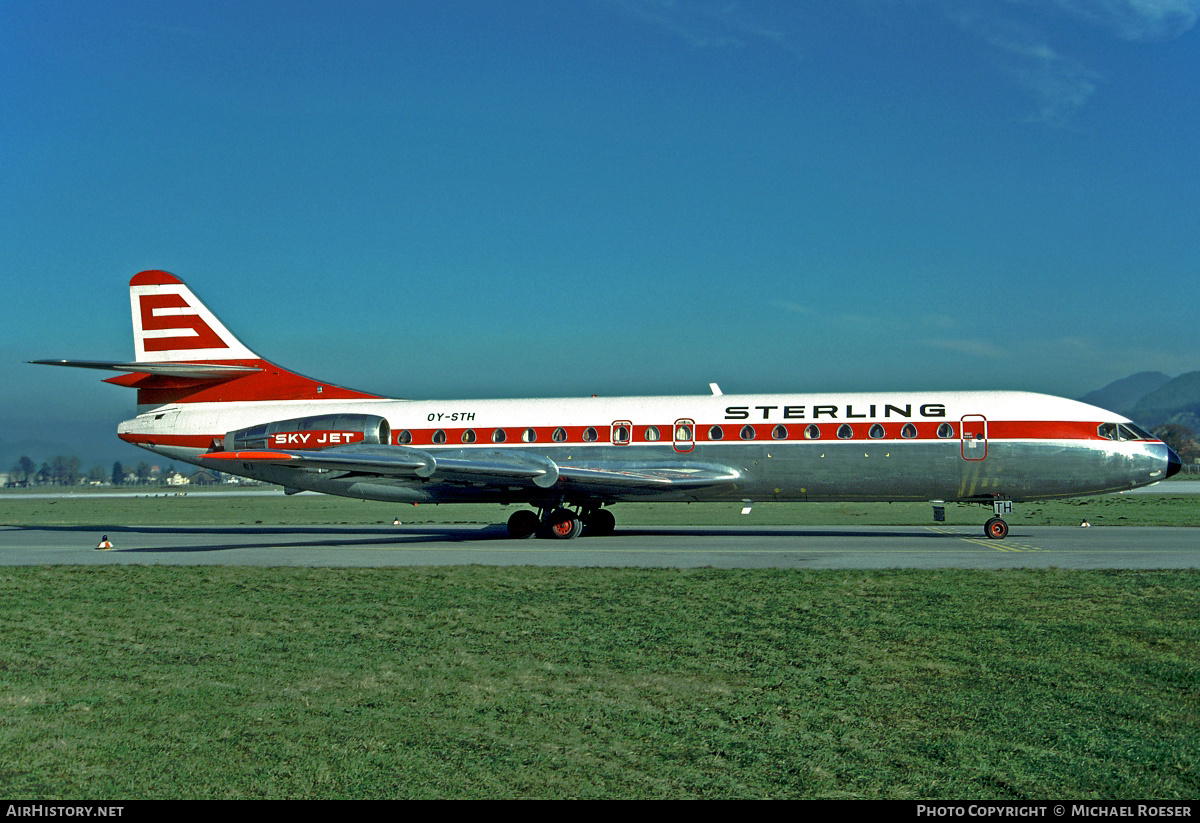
205	398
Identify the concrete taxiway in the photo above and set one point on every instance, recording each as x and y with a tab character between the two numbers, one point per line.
862	547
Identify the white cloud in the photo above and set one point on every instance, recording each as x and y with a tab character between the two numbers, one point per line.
1061	86
972	348
1137	19
704	23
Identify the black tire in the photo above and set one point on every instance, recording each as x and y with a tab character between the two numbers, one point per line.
564	525
996	529
522	524
599	523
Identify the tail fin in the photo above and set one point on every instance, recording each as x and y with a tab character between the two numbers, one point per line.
184	354
171	325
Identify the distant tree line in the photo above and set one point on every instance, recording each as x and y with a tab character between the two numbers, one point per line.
1182	440
67	471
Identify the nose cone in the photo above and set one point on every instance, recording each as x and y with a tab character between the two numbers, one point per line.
1174	464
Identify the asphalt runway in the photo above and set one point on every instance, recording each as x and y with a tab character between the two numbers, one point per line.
741	547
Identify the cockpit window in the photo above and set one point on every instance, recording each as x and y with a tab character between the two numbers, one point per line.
1107	430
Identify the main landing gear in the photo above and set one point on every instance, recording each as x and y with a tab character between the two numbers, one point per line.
561	523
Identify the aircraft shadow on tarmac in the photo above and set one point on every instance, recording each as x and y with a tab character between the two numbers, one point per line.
275	537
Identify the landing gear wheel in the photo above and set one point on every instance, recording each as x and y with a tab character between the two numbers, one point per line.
599	523
522	524
995	529
564	525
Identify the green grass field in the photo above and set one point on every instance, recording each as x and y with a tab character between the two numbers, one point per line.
156	682
126	682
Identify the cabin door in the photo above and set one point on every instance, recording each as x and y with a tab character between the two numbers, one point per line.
974	437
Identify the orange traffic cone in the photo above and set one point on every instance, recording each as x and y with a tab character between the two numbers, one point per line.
105	545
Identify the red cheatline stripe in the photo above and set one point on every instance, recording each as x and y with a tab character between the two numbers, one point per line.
926	431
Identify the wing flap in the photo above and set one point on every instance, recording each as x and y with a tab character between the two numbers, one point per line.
493	468
500	468
615	476
396	462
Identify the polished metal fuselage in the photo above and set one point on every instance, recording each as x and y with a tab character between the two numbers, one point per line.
787	469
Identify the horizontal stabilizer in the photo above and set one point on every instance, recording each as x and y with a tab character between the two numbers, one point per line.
198	371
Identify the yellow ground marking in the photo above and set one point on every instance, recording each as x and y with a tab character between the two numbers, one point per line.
1004	545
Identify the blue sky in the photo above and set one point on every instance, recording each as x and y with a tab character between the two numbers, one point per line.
465	199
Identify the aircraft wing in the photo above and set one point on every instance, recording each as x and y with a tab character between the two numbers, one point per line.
494	467
614	475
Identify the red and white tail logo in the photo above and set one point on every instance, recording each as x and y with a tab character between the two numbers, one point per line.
171	325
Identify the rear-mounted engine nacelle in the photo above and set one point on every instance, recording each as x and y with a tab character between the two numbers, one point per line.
308	433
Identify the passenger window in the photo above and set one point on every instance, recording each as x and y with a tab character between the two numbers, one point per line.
652	433
844	432
439	436
812	432
468	436
876	432
716	433
498	436
945	430
909	431
747	433
403	436
529	436
683	432
620	434
559	435
589	435
779	433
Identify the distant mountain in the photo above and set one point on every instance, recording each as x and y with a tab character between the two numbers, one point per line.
1122	395
1153	399
1175	402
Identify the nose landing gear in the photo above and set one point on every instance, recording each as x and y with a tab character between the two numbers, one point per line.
996	528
